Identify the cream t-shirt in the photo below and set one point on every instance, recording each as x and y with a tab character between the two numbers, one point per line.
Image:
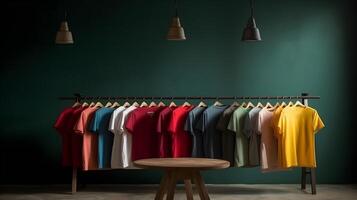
116	161
269	143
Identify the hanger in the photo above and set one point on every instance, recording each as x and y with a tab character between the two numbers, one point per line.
202	104
152	104
250	105
109	104
217	103
115	105
268	105
98	104
161	104
172	104
76	104
85	104
136	104
298	103
259	105
186	103
143	104
92	104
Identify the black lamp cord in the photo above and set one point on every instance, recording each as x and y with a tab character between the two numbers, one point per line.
251	8
176	8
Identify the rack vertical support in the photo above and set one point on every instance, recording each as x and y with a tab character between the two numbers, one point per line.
308	171
74	169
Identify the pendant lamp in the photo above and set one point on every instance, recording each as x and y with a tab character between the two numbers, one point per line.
251	32
64	36
176	31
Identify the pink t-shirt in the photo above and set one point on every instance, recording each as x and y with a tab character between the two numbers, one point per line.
90	140
269	143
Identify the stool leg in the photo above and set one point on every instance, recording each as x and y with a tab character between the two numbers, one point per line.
200	184
313	180
303	178
188	188
171	185
163	186
74	180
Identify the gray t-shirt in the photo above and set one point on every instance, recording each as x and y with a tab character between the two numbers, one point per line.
228	136
250	130
212	137
191	121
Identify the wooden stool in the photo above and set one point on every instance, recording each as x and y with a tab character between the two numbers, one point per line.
186	169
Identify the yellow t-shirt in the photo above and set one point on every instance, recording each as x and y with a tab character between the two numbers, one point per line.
275	121
297	126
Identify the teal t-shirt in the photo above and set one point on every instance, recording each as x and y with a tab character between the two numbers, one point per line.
236	124
100	125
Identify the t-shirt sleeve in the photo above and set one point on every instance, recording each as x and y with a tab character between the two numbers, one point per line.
317	122
222	122
247	127
79	127
280	125
159	124
120	124
259	123
233	123
94	123
189	123
172	127
130	122
112	120
201	124
61	122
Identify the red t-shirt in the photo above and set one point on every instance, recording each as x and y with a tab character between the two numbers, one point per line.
181	139
165	142
61	125
141	124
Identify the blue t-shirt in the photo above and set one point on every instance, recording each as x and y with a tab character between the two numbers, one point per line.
100	125
212	137
191	121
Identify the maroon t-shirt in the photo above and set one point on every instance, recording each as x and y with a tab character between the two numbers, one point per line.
71	143
165	141
141	123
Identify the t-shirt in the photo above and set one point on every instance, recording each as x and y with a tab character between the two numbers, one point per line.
297	126
251	131
77	140
197	137
141	123
90	140
228	137
181	139
116	160
99	125
165	143
212	137
61	125
126	138
274	124
236	124
269	143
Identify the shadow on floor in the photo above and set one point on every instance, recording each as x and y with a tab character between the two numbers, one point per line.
135	189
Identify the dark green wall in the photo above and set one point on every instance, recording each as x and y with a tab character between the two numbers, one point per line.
120	49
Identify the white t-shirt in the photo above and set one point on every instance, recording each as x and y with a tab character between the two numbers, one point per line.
114	127
126	139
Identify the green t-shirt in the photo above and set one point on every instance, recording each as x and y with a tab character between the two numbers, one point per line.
236	124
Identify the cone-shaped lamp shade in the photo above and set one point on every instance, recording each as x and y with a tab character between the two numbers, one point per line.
64	36
251	32
176	31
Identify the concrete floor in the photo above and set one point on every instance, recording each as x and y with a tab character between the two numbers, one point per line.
143	192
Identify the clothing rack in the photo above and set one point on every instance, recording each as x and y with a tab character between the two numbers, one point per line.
304	97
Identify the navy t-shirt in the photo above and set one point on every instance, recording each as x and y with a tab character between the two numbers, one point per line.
197	142
100	125
212	137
